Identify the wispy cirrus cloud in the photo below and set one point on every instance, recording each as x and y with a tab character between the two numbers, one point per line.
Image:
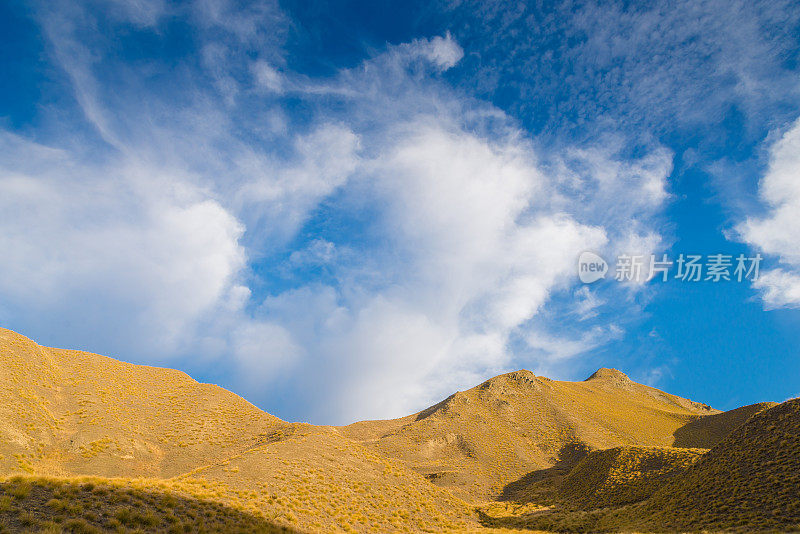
616	66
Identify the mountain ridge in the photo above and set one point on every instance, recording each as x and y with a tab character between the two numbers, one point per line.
66	415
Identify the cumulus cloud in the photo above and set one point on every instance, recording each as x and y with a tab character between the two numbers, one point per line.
780	288
476	263
118	243
775	233
392	241
478	238
263	352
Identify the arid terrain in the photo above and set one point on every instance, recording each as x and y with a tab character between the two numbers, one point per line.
92	444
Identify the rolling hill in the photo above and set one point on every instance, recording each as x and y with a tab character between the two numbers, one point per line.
477	441
623	475
748	482
92	444
67	412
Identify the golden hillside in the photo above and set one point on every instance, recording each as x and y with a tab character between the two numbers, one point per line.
749	482
478	441
69	412
705	432
92	444
320	481
623	475
92	505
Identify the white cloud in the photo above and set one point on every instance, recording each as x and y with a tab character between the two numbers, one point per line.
122	243
624	66
443	52
268	77
257	24
275	197
140	12
477	243
262	353
552	349
775	233
318	252
442	234
780	288
616	191
587	303
655	375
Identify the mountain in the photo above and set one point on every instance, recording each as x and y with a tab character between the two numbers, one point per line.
748	482
622	475
478	441
68	412
91	444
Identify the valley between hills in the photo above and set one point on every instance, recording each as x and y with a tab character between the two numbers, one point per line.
93	444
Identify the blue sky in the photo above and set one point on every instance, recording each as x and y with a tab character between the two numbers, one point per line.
349	210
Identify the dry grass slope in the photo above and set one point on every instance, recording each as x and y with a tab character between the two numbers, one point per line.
623	475
749	482
478	441
705	432
94	505
319	481
564	456
67	412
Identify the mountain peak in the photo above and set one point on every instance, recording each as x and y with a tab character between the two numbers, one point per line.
604	373
514	378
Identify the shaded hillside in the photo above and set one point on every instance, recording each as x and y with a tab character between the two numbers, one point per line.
705	432
71	412
623	475
477	441
750	481
89	505
567	500
611	477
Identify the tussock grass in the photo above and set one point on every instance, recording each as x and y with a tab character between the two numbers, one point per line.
749	482
478	441
193	457
92	505
623	475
